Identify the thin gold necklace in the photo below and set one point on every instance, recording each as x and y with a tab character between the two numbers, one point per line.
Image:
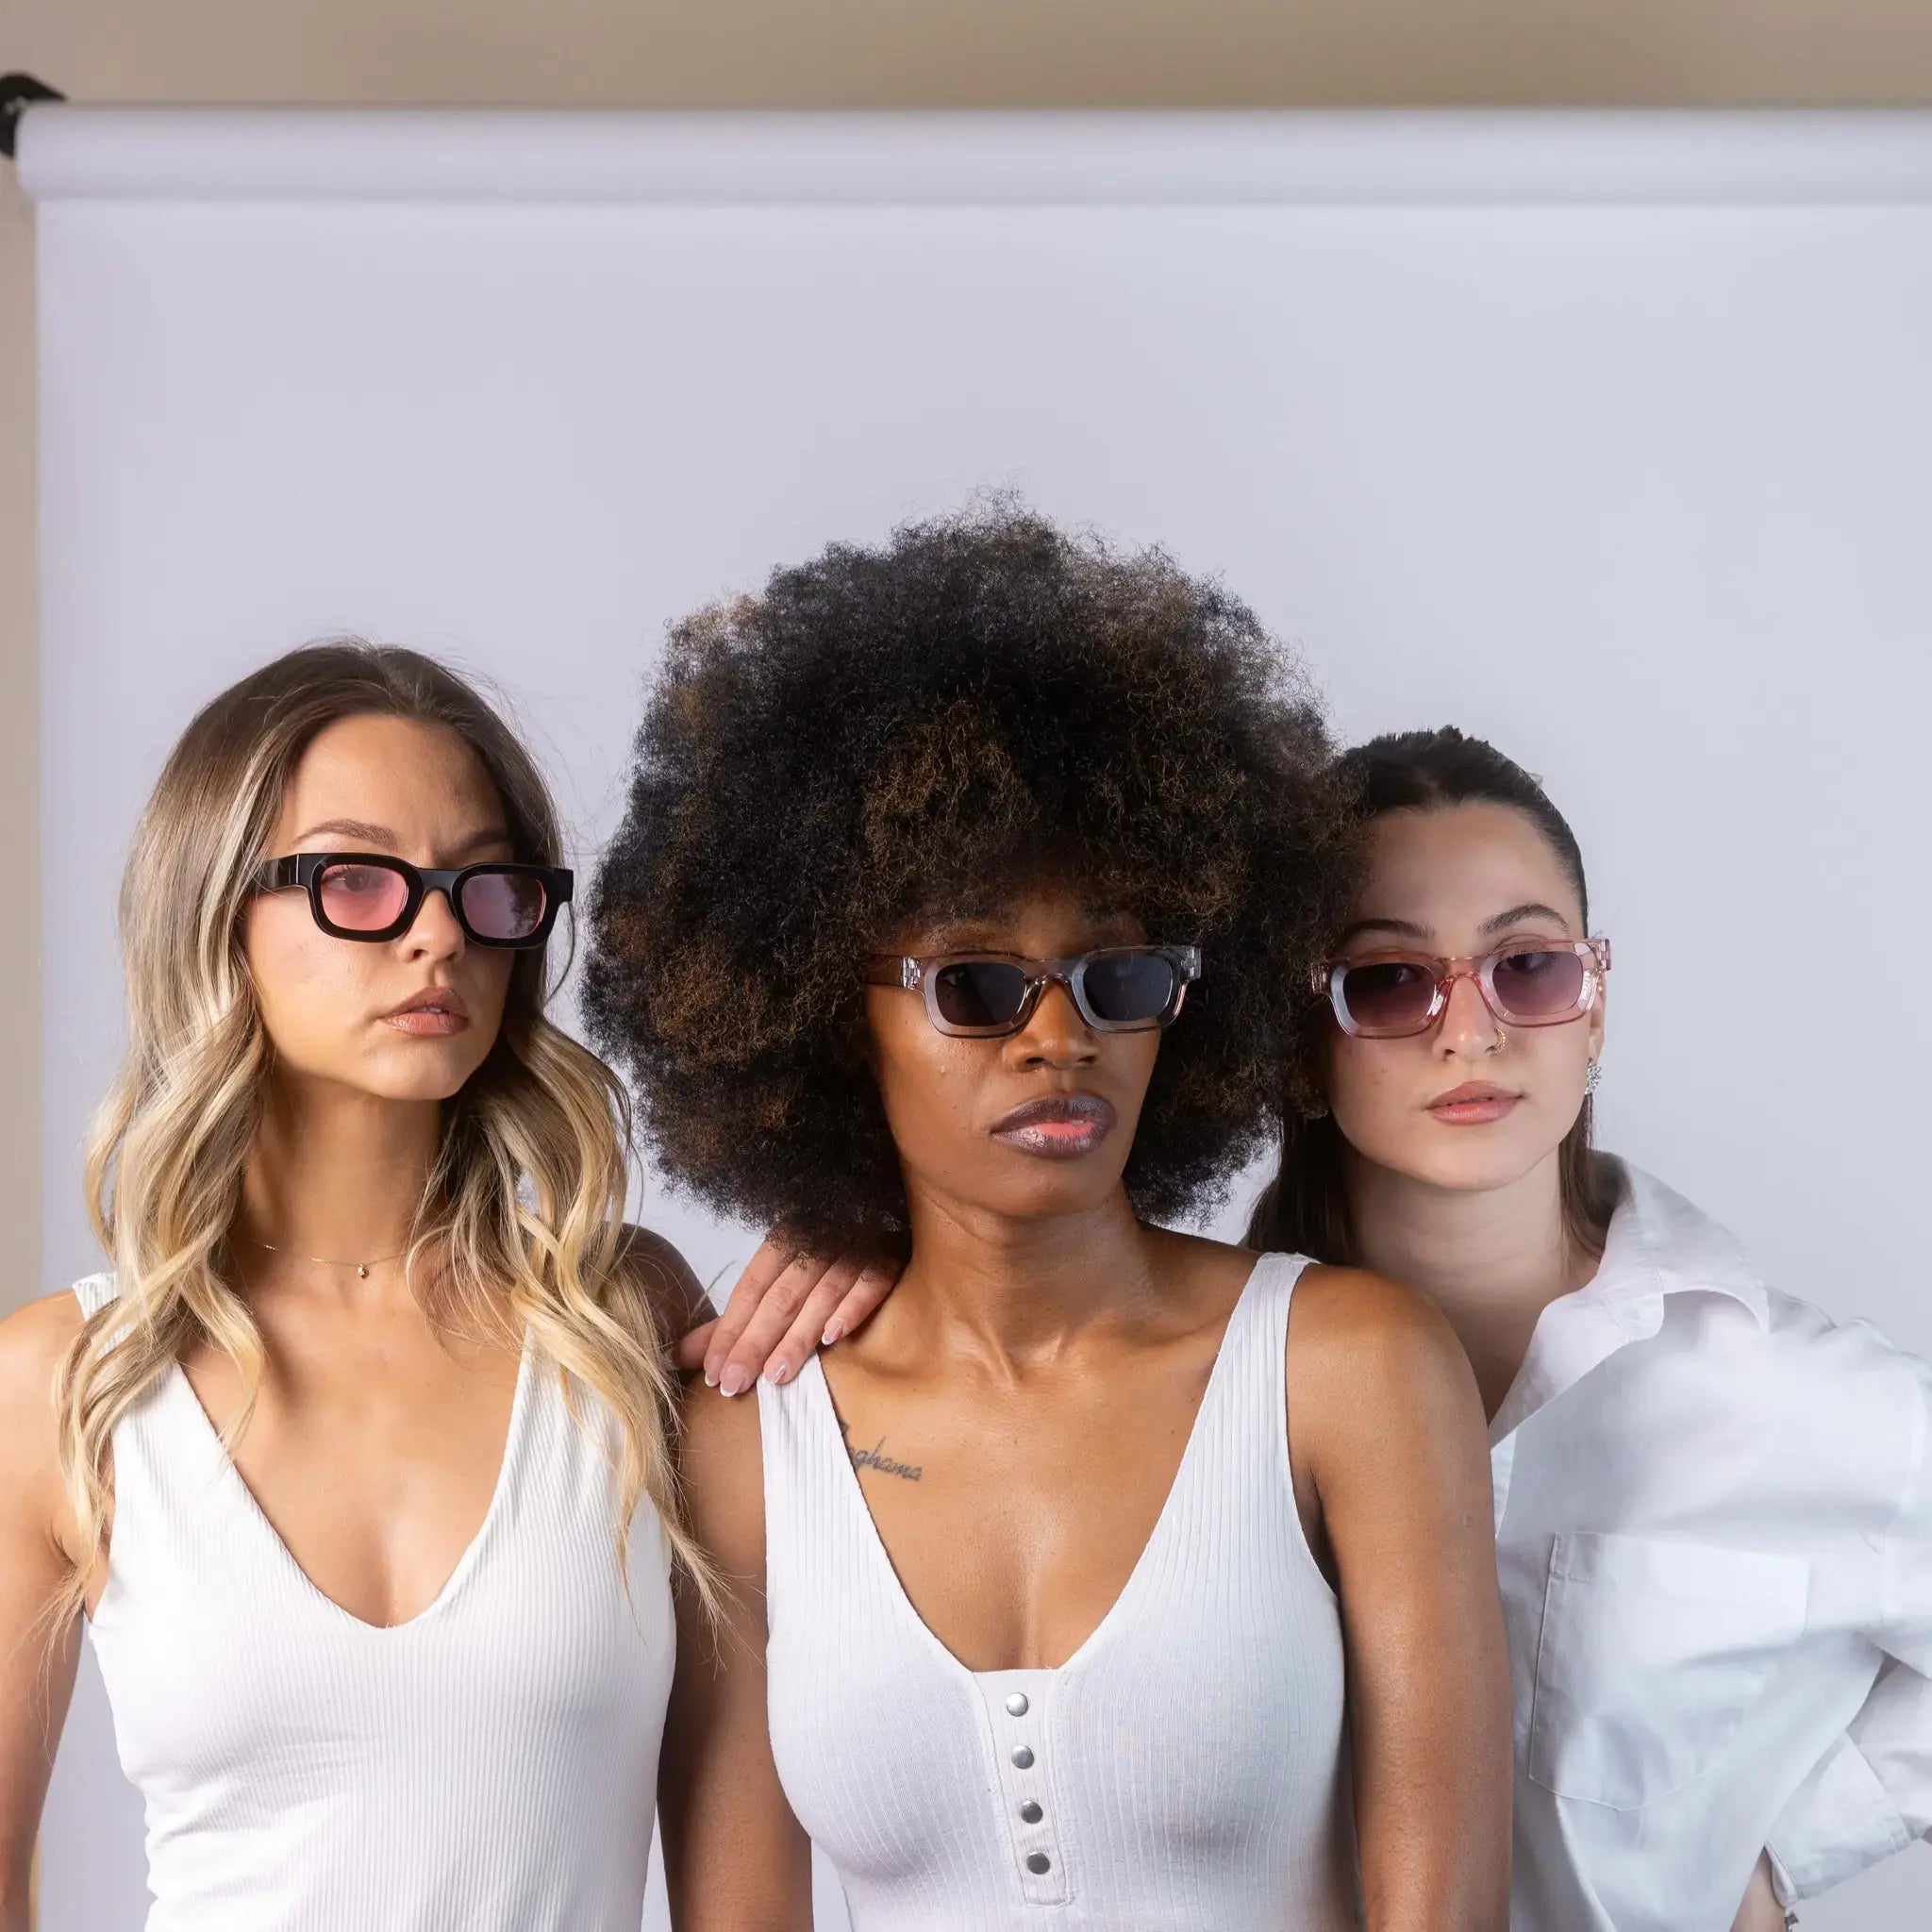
361	1268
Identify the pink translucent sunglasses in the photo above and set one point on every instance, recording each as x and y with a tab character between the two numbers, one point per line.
1390	994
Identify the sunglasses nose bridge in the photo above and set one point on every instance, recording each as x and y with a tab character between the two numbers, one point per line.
1068	1016
1482	1017
452	938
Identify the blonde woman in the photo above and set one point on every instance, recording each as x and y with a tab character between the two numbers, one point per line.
357	1461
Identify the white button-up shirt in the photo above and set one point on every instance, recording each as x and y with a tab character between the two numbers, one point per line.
1714	1530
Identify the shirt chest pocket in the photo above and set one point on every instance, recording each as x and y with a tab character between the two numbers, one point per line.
1652	1652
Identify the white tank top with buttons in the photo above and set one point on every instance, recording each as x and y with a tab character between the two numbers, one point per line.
1184	1768
488	1766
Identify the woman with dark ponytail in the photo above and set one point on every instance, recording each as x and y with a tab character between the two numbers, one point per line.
1719	1626
1306	1205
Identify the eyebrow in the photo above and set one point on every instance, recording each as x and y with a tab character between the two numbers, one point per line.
1397	928
381	839
1530	910
987	935
1408	929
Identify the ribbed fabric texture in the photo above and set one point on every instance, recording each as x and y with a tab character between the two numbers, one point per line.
489	1766
1186	1765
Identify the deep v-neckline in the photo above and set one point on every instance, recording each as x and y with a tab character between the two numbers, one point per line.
285	1556
1119	1608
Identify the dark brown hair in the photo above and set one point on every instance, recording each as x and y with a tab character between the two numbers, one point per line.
1304	1209
885	735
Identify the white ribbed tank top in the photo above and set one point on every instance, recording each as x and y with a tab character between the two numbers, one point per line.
489	1766
1184	1768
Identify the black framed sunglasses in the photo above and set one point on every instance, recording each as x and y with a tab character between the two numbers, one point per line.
372	896
984	995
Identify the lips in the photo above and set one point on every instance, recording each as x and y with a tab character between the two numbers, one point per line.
1059	1126
432	1014
1472	1103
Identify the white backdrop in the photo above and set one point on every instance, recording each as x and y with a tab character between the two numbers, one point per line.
1606	437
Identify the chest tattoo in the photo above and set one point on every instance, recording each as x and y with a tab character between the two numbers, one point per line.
876	1458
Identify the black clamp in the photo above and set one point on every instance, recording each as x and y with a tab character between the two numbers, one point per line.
18	93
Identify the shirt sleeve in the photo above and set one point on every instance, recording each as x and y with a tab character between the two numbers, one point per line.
1871	1794
1868	1796
1907	1633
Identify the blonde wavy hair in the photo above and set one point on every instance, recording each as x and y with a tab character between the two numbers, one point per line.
522	1220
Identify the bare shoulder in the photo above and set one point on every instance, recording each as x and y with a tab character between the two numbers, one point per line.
656	1272
722	1466
1375	1370
1350	1320
34	1341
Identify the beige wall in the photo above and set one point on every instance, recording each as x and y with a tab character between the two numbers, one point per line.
830	53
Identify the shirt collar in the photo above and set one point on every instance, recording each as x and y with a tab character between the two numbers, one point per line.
1657	1244
1661	1244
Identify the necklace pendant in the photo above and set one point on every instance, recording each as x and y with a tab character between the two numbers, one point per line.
362	1269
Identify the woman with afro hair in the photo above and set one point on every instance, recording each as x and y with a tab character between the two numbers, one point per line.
961	913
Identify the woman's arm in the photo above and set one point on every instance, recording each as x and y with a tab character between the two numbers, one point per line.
1761	1911
37	1658
655	1272
1871	1794
788	1303
735	1858
1385	1419
1868	1798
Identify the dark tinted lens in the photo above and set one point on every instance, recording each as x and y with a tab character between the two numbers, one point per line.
504	904
1539	985
363	898
979	992
1388	994
1129	989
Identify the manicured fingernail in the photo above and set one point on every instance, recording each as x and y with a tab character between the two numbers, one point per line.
710	1372
733	1379
778	1372
833	1330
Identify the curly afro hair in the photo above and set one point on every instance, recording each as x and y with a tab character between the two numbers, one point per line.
889	736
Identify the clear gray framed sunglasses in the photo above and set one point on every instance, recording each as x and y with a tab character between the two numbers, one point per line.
984	995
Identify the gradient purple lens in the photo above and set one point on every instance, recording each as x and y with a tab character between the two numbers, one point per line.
504	904
1389	995
1537	985
979	992
363	898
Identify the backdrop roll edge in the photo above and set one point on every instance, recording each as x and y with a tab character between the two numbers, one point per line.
1082	157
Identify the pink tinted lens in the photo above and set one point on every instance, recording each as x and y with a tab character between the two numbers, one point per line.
363	898
1539	985
1389	995
504	904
